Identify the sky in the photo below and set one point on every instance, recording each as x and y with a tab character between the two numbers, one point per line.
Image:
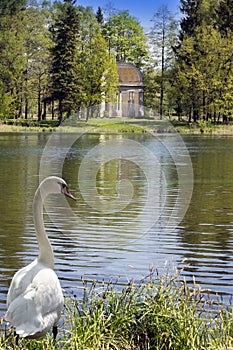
142	10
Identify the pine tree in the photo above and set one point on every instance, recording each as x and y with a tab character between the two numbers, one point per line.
65	33
12	7
81	61
225	16
196	13
100	16
190	20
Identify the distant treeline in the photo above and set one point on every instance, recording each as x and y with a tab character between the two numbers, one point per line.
59	58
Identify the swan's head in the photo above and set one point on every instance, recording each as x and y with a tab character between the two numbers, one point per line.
54	184
65	190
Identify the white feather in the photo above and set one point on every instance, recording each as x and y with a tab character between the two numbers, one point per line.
35	298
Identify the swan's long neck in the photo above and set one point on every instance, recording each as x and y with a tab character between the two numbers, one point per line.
45	249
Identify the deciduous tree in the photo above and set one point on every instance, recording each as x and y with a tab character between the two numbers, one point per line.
126	38
97	70
12	62
37	52
162	38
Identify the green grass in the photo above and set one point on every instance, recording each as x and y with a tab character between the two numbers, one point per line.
94	125
108	125
203	127
160	312
117	125
23	125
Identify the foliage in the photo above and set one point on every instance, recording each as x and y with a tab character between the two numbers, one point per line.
100	16
24	60
81	61
225	16
195	14
160	312
73	65
37	53
5	102
39	67
203	81
152	87
125	37
162	38
97	73
190	18
12	63
11	7
65	33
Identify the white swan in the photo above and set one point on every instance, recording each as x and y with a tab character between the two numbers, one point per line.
35	298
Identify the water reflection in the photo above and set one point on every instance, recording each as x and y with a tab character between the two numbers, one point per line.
123	190
206	235
99	244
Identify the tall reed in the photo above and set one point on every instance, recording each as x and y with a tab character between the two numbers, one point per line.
160	312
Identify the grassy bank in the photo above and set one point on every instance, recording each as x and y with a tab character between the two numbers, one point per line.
95	125
22	125
157	313
118	125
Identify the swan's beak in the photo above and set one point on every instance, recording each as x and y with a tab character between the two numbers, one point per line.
67	193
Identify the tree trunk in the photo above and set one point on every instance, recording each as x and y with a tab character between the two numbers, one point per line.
204	105
87	114
60	111
26	109
52	109
162	76
39	112
44	111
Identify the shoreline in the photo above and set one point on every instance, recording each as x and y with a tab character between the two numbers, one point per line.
120	125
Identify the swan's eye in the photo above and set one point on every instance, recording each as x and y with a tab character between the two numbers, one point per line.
65	191
64	188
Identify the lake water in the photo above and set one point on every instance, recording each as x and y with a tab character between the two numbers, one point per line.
133	206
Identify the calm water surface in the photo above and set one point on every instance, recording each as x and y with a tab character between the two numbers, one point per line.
97	239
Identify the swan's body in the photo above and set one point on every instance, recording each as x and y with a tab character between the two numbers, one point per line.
35	298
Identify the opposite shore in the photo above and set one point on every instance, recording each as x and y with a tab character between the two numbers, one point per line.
118	125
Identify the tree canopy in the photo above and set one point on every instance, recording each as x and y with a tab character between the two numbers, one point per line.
126	38
62	57
52	54
203	79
